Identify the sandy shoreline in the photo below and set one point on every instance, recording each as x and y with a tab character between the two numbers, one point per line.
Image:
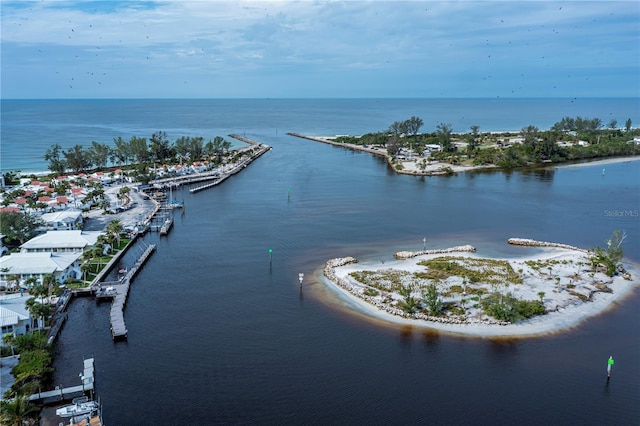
565	313
601	162
434	168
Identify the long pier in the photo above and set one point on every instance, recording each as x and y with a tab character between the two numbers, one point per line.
116	316
60	394
236	167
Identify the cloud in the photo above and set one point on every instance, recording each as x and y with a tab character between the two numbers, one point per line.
385	42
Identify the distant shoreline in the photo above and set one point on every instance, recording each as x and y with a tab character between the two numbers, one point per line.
438	168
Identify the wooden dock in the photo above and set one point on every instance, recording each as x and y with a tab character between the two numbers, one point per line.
60	394
116	316
236	167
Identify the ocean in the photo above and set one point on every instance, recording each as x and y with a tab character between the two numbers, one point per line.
219	335
28	128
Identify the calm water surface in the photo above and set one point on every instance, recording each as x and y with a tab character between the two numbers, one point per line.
217	336
30	127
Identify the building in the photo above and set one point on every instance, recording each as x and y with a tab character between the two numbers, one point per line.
16	268
63	220
14	315
61	242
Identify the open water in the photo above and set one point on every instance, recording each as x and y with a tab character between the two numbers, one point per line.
30	127
218	336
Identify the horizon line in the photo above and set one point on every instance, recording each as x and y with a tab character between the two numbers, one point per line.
321	98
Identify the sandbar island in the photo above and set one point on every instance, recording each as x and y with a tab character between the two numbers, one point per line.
456	291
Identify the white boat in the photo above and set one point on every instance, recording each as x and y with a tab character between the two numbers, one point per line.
79	407
164	229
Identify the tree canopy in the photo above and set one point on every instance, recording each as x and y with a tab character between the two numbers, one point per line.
19	226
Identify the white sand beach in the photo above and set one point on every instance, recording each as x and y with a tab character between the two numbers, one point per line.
572	292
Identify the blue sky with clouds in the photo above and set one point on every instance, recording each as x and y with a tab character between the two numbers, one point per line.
353	49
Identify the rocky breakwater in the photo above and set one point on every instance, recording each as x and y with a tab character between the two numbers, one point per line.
534	243
387	303
409	254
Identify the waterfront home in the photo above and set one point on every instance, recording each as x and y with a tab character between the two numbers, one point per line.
15	317
62	242
63	220
16	268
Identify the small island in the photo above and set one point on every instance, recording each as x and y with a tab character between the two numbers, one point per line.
456	291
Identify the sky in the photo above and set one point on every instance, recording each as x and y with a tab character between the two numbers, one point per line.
319	49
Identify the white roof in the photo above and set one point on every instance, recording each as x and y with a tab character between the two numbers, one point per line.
13	309
36	263
62	239
62	216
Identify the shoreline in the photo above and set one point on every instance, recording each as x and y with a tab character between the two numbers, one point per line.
438	168
432	168
562	313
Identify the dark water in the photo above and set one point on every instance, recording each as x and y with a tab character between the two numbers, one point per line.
217	336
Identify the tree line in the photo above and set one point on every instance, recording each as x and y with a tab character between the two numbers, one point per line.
158	149
488	148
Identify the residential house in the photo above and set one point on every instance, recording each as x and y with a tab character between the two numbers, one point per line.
63	220
62	242
14	315
23	266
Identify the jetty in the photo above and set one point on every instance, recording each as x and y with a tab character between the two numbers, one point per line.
87	377
237	167
116	316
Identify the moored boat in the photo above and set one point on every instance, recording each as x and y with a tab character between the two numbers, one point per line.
79	407
164	229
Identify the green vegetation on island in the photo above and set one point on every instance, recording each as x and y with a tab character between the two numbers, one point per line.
570	139
610	258
474	273
465	289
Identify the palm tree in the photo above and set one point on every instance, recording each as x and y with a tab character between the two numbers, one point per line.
9	339
48	282
114	229
97	253
15	411
85	268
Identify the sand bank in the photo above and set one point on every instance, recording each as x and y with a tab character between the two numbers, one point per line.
572	292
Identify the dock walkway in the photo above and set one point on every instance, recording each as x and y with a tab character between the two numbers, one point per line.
116	316
88	382
237	166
